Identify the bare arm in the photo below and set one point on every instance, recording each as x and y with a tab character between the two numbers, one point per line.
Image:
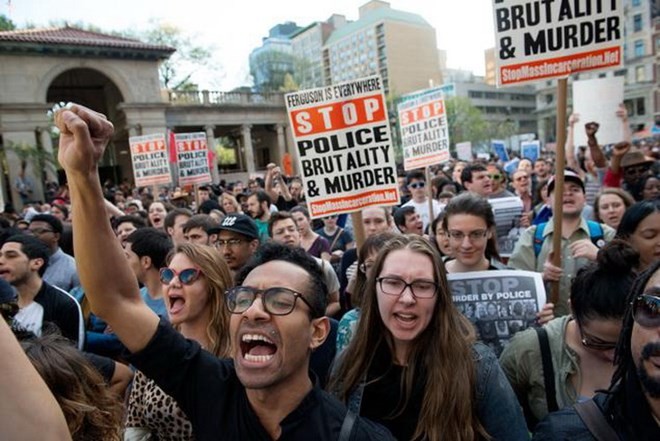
268	182
112	209
622	113
594	149
28	410
109	282
571	160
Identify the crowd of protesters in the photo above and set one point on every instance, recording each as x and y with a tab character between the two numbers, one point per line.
225	312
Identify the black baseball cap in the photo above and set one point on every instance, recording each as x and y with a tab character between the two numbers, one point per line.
237	223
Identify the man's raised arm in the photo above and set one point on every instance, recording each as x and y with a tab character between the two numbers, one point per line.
109	283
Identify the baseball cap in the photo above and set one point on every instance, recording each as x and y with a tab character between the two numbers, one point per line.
237	223
569	176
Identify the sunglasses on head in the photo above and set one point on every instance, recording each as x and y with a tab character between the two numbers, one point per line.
187	276
646	310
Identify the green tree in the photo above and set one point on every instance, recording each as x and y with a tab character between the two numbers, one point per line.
177	71
466	123
6	24
289	84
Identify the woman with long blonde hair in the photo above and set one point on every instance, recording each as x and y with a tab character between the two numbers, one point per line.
413	364
195	282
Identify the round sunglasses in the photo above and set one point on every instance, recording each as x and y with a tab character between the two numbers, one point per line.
646	310
186	276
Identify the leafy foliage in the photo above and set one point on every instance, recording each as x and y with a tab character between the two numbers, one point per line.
6	24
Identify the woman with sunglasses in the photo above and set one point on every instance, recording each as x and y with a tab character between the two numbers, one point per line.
194	281
630	404
580	345
413	364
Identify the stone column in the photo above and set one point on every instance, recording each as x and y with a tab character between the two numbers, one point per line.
210	142
47	145
247	146
281	143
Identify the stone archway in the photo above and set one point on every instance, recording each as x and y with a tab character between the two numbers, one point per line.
95	90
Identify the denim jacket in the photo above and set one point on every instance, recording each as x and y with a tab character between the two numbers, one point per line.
498	409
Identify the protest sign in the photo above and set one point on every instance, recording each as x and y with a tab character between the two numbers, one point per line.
464	151
541	39
424	131
192	158
150	160
508	212
500	149
598	100
498	303
511	166
530	150
342	137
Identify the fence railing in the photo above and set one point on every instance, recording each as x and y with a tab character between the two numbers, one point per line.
216	98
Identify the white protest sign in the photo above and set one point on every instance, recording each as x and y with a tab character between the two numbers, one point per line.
464	151
498	303
543	39
192	156
342	138
150	160
424	131
598	100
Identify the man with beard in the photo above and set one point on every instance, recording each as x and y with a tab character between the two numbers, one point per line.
630	409
259	209
628	168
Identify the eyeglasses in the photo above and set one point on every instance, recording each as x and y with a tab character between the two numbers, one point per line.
495	177
187	276
276	300
228	242
646	310
636	170
474	236
394	286
417	185
40	230
522	178
595	343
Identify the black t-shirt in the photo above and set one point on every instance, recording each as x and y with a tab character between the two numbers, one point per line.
211	395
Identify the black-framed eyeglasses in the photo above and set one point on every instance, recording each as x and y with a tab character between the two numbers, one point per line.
646	310
395	286
276	300
228	242
474	236
186	276
417	185
591	342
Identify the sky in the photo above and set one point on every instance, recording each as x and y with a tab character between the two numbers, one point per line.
464	28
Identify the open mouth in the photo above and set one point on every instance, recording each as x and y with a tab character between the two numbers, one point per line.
257	348
406	319
176	303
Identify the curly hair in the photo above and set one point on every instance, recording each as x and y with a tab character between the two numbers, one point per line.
91	410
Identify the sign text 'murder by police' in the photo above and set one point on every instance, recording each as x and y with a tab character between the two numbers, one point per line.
343	142
543	39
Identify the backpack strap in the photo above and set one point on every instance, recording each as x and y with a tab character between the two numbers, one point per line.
538	238
596	233
548	370
592	417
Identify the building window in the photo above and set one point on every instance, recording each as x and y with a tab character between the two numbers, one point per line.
549	98
640	106
636	2
637	22
639	48
640	74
